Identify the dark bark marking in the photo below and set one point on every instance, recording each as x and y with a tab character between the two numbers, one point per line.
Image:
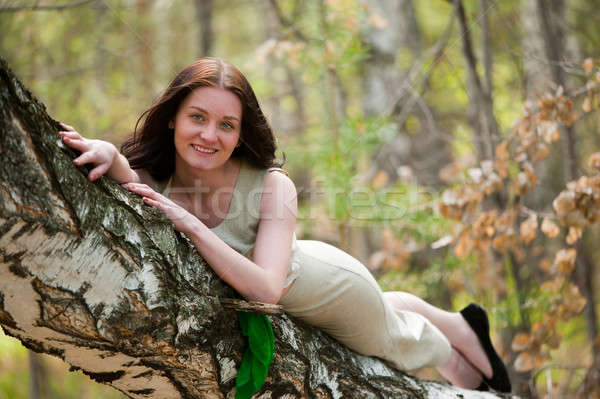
16	267
65	312
6	226
143	374
18	270
25	229
5	317
105	377
144	392
41	348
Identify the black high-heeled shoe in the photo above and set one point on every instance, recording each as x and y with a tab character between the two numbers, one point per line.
477	319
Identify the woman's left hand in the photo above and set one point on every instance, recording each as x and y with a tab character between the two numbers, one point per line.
181	218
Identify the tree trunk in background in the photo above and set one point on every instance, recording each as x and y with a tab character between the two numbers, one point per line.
387	85
91	275
415	156
145	59
38	378
481	106
204	15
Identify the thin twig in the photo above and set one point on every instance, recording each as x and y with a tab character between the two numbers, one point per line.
286	22
61	7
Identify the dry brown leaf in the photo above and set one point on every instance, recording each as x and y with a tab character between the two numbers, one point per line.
564	203
376	260
564	260
542	151
462	248
528	228
586	106
540	330
574	235
521	184
502	151
588	65
381	178
574	301
554	340
545	265
550	228
524	362
594	161
378	21
521	342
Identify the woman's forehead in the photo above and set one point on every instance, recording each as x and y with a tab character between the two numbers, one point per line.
214	100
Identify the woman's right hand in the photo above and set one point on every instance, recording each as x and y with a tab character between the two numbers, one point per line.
101	154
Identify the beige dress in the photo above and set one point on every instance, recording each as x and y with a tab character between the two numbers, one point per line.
334	291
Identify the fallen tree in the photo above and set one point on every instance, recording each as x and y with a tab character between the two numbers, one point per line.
90	274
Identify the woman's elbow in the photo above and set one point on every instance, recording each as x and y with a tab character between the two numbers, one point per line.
270	298
268	294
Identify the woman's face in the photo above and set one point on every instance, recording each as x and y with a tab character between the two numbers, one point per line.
207	128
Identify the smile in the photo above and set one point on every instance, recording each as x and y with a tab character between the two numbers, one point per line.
203	149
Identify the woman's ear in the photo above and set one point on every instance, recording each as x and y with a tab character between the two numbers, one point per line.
171	124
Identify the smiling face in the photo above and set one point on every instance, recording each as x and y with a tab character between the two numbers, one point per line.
207	128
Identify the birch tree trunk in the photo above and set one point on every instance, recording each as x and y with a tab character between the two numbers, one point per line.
91	275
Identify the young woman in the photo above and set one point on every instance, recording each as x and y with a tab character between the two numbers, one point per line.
205	156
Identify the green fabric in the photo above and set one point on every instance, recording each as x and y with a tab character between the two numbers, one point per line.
258	356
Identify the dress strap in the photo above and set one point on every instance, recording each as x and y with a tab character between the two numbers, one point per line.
276	169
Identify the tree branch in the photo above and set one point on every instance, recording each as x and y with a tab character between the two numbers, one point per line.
90	274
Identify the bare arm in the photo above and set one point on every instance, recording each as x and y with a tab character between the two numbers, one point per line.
103	155
262	278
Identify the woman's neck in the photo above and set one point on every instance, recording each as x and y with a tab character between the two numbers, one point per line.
208	180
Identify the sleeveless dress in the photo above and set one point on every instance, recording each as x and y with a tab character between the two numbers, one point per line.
332	290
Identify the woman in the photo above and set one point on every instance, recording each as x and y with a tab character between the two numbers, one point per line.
205	156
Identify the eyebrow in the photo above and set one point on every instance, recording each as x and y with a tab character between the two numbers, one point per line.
206	112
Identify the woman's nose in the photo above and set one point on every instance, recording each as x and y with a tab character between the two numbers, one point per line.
209	133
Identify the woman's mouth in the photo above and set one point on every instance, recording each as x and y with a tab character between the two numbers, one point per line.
203	150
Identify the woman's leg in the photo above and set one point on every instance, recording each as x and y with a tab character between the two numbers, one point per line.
452	325
460	372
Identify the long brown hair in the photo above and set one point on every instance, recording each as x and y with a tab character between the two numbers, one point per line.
152	147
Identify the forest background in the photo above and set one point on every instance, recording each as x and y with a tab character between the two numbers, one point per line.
449	145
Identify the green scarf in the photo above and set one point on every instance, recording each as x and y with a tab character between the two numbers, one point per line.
258	356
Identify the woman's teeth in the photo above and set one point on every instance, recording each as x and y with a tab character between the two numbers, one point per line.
202	149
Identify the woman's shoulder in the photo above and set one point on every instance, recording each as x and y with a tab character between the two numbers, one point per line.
279	183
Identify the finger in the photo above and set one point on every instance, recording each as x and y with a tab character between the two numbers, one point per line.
70	134
142	189
68	127
152	202
98	171
86	157
79	145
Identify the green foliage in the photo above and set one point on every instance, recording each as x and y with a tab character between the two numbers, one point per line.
14	376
